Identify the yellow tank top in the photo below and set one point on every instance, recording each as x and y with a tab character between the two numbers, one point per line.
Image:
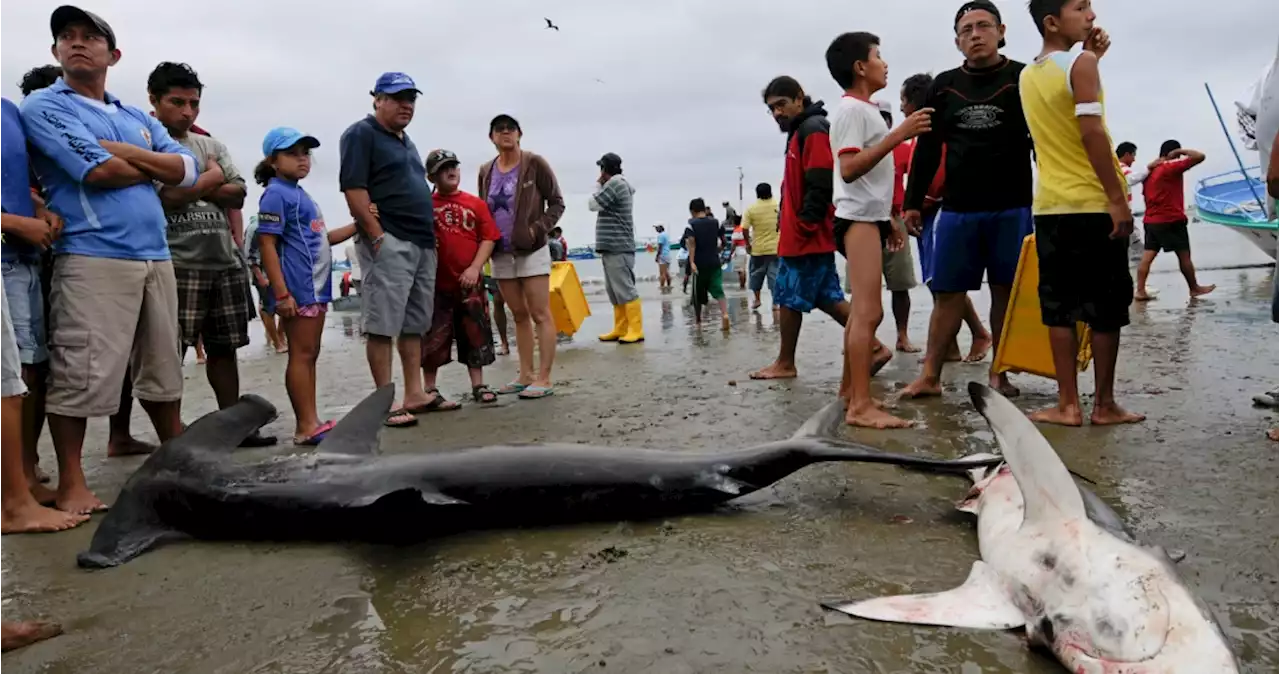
1066	181
488	271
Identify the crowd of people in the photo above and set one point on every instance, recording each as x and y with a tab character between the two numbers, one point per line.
125	242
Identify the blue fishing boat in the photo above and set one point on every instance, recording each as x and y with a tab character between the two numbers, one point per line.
1231	199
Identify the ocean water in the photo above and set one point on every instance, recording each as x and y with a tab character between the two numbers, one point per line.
1212	247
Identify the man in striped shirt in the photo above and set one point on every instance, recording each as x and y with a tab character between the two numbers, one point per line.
616	244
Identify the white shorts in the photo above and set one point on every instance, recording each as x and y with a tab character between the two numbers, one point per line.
515	265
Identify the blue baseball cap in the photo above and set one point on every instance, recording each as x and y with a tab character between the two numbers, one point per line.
394	83
285	137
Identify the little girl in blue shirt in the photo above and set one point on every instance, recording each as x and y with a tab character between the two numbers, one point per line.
295	256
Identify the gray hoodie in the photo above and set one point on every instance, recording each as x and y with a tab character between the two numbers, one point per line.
615	227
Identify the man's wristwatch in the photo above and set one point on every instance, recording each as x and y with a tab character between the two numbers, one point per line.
377	240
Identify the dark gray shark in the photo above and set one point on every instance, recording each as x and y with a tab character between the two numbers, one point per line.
191	487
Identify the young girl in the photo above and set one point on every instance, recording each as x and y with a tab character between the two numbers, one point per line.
296	258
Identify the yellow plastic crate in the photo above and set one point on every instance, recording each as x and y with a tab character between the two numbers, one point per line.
1024	343
568	302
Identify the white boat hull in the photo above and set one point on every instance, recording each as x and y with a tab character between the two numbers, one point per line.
1265	239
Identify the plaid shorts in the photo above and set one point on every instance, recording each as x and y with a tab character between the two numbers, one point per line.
211	304
460	316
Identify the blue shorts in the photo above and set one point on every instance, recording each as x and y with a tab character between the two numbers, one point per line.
967	244
807	282
924	243
26	310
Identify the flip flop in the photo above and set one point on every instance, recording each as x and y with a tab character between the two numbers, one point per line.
483	394
317	435
535	392
513	387
399	412
437	404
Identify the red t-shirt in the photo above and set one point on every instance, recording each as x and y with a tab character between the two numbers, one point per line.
901	162
1162	190
462	222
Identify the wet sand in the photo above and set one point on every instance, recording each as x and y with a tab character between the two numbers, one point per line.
732	591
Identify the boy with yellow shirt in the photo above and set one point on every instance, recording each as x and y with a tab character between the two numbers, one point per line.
1081	208
760	224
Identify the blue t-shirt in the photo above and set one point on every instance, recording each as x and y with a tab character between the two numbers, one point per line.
64	128
287	211
664	244
15	181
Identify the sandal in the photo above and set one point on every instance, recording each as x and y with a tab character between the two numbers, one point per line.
535	392
483	394
437	404
400	413
316	436
513	387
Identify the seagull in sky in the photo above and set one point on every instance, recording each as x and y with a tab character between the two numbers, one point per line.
549	24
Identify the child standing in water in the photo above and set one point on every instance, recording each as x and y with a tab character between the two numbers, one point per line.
295	243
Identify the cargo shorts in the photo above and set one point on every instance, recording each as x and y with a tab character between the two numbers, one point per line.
108	317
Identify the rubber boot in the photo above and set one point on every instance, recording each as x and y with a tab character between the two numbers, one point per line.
619	325
635	327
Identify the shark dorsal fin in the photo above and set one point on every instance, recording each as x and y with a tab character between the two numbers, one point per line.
1047	488
358	432
824	423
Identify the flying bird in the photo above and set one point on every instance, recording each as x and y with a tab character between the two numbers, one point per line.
600	81
549	24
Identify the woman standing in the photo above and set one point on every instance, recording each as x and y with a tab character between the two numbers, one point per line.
524	197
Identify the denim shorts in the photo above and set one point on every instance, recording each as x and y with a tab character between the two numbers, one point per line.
22	289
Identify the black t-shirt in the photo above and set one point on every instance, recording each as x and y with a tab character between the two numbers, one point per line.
389	167
705	233
978	115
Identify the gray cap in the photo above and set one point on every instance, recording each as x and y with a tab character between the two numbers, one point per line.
68	14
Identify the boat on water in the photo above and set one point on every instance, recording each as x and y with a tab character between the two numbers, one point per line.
1232	199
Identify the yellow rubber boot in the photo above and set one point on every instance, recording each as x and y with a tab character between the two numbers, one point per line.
619	325
635	326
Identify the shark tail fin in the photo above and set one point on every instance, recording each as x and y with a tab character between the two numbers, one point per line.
1046	484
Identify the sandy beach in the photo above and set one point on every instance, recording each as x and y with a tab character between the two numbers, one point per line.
731	591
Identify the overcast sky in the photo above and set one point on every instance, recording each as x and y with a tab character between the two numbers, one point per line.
680	81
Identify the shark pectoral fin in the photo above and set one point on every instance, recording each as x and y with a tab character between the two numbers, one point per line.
436	498
726	484
980	603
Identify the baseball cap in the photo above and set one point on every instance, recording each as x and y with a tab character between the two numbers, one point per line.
285	137
68	14
610	162
438	159
394	83
984	5
504	118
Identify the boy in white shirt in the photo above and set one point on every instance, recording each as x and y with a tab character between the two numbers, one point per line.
863	148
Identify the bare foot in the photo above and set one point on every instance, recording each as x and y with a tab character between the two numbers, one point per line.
1072	416
953	353
43	495
282	348
26	632
921	388
504	350
1000	382
868	415
1112	414
32	518
78	499
1274	435
879	358
775	371
1202	290
128	446
724	323
1143	296
905	346
979	349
